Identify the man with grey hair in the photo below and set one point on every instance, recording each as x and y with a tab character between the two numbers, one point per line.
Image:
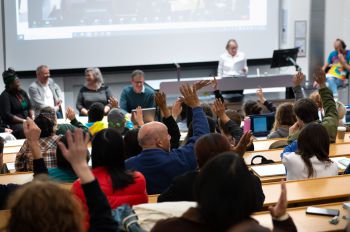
157	162
136	94
45	92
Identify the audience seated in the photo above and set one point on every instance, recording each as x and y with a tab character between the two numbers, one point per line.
15	105
284	119
94	91
251	107
306	111
157	162
137	94
95	117
46	121
206	148
64	171
119	185
44	206
310	157
116	119
225	192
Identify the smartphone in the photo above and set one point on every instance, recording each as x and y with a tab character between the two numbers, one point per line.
322	212
247	125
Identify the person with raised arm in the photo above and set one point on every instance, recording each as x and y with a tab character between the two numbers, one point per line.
158	163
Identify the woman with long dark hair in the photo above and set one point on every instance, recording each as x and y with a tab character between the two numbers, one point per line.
311	160
119	185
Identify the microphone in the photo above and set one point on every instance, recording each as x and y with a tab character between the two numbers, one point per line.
178	71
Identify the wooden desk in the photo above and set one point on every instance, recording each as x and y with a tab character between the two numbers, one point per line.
303	191
9	150
18	178
153	198
308	223
14	143
4	218
342	149
263	145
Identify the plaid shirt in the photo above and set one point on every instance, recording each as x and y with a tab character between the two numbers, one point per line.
48	145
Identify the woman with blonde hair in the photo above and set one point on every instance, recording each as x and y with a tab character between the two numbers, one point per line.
93	91
284	119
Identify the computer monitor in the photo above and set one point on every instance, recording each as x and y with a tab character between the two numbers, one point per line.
261	125
285	58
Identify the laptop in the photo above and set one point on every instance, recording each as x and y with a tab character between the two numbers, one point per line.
261	125
347	116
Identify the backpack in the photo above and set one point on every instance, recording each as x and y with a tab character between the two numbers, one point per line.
127	219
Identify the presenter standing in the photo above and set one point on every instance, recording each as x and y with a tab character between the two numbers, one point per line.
232	62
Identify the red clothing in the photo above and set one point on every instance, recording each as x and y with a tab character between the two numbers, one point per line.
134	194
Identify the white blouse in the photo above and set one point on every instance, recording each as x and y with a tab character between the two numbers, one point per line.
297	170
227	65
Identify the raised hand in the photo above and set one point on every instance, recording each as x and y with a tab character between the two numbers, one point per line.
177	108
214	83
219	108
245	141
201	84
260	95
294	128
31	130
70	114
32	133
320	77
113	102
190	96
138	116
280	209
160	99
298	79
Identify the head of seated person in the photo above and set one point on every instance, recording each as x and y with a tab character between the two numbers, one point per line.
154	135
306	111
251	107
225	192
235	116
96	112
132	146
138	80
313	141
341	110
93	78
11	80
316	97
116	120
44	206
47	122
64	171
213	127
207	110
209	146
284	117
108	152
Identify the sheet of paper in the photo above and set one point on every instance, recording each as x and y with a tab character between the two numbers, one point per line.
240	65
341	162
269	170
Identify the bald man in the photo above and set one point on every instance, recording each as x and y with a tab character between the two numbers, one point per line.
157	162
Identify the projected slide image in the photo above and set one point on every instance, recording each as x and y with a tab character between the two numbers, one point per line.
78	18
86	12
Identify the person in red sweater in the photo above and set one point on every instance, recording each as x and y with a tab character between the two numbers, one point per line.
119	185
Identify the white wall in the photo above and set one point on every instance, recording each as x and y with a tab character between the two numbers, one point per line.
336	27
296	10
1	49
